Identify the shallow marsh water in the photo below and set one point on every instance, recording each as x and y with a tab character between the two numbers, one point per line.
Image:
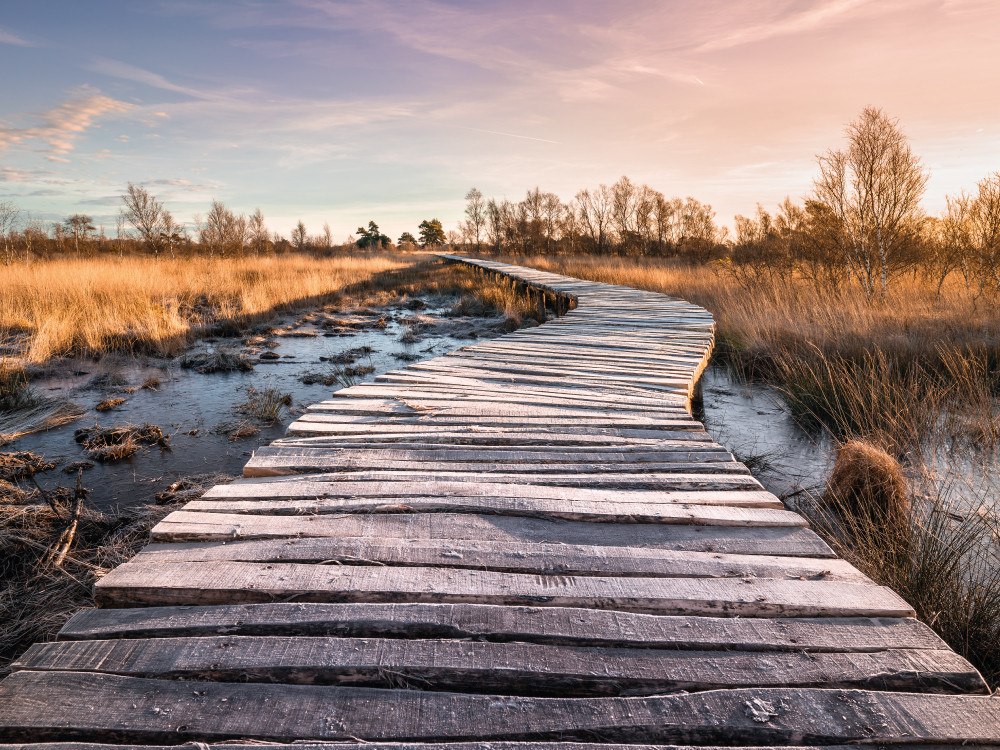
753	422
198	410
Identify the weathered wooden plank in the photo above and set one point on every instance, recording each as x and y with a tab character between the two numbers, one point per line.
320	461
698	453
449	418
134	584
186	526
710	515
513	393
457	406
496	436
649	480
60	706
703	515
508	668
484	622
318	487
511	557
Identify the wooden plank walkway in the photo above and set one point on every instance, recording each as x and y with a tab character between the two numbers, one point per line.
527	544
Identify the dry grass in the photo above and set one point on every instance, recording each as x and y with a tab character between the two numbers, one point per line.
110	444
941	558
38	596
71	306
109	403
867	481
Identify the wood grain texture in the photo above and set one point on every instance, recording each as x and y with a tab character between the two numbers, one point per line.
238	582
61	706
507	668
555	625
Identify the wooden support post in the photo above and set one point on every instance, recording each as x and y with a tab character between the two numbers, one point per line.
540	302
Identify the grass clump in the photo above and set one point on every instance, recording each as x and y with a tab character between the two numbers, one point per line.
15	390
342	375
264	404
905	535
868	481
22	411
21	465
221	359
109	403
110	444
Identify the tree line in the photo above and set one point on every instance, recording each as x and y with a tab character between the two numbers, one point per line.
861	224
622	219
145	226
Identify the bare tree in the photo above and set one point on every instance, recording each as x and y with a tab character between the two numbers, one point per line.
258	232
80	226
9	216
595	215
171	233
327	236
145	213
223	232
874	189
299	236
475	216
984	229
121	236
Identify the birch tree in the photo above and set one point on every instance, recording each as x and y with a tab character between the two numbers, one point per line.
874	189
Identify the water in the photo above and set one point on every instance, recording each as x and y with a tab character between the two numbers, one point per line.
752	421
196	409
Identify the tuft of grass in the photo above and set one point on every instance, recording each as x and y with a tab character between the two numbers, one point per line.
109	403
940	559
264	404
220	359
15	389
110	444
21	465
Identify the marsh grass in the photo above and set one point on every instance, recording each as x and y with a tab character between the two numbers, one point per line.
138	305
220	359
36	596
923	366
941	558
110	444
264	404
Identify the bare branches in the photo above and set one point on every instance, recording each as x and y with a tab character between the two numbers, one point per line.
874	189
145	213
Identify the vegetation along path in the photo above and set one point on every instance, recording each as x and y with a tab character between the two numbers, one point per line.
529	540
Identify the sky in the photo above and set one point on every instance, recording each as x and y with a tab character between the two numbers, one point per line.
344	112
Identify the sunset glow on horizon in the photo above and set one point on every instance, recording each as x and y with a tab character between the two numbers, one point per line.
342	112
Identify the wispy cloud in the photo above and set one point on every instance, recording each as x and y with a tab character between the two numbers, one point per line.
9	37
58	128
814	18
512	135
127	72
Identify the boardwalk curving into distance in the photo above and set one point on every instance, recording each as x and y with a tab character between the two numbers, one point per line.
526	544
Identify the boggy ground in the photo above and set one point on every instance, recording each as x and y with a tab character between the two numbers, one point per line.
151	431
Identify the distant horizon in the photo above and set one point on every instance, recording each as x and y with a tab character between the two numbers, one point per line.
346	112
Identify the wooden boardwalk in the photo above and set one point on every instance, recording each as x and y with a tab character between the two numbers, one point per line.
528	543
